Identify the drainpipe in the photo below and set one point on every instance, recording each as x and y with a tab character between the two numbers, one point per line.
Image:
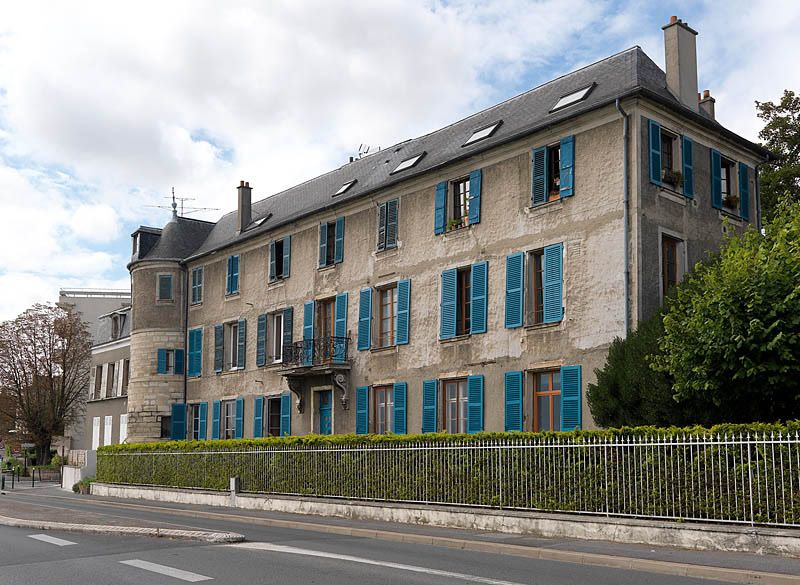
185	270
758	196
625	212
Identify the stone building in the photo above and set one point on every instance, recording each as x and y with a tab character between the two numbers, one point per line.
470	279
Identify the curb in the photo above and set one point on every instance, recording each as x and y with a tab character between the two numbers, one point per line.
198	535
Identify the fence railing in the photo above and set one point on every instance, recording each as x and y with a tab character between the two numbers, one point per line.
319	351
752	479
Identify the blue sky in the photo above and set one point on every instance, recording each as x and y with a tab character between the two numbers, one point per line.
104	107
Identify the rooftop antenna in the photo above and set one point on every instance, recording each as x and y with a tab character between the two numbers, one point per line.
184	209
364	150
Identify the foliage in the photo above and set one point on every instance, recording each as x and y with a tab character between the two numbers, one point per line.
56	460
781	135
83	486
44	368
732	332
628	392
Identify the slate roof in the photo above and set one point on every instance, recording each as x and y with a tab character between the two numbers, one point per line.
179	239
627	73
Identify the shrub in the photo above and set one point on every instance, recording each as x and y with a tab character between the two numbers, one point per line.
83	486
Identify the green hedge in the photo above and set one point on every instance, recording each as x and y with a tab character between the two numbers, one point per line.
639	471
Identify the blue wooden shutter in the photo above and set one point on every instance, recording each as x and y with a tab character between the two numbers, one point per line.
474	404
258	417
382	226
179	355
201	431
161	361
654	133
362	410
478	309
539	176
216	407
287	256
195	352
178	431
229	280
286	414
338	243
744	192
567	166
688	166
272	276
219	346
261	340
570	398
475	180
323	244
513	389
403	311
308	333
400	394
515	289
440	208
553	284
716	179
288	327
429	402
242	349
391	223
364	319
447	317
239	429
340	328
236	274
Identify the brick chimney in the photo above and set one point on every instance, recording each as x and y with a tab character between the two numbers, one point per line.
707	103
680	47
245	210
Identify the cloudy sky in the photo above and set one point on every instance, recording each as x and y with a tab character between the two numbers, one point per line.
105	106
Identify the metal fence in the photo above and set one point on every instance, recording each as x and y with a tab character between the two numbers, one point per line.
752	479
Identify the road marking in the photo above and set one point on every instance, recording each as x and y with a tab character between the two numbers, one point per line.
364	561
169	571
51	539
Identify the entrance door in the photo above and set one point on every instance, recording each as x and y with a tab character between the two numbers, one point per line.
325	414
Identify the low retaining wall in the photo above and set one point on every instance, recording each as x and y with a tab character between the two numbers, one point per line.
697	536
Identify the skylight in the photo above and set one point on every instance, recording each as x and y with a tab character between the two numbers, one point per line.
345	187
482	133
408	163
573	98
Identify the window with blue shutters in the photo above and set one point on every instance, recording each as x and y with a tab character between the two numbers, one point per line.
362	410
340	328
280	253
654	148
197	285
216	415
387	224
403	311
308	333
179	362
219	347
258	417
197	415
566	167
327	243
448	304
232	283
239	424
547	400
553	171
687	148
364	319
178	422
513	401
169	361
440	208
338	242
463	305
552	284
400	400
286	414
744	192
515	290
240	337
475	404
457	203
543	299
195	366
478	303
570	398
261	340
430	399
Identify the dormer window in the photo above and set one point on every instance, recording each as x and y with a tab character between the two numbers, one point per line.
573	97
135	251
408	163
344	188
483	133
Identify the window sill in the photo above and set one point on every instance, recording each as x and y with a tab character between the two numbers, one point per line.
456	339
733	217
195	305
193	378
457	232
327	267
229	372
277	283
231	296
670	195
106	398
165	301
272	365
547	205
540	326
386	349
387	253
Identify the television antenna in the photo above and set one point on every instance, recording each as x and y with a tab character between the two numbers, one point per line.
185	210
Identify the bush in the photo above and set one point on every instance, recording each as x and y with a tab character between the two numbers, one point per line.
83	486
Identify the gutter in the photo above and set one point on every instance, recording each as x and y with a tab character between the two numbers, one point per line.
625	212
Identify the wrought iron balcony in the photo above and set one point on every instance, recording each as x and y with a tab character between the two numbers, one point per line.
320	351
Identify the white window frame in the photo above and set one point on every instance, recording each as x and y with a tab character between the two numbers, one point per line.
201	271
123	428
233	351
95	433
108	429
276	346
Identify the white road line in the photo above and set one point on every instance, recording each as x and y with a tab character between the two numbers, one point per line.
415	569
169	571
51	539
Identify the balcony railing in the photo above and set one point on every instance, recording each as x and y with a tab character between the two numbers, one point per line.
321	351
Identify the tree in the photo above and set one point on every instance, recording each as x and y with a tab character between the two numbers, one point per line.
628	392
44	368
732	334
781	135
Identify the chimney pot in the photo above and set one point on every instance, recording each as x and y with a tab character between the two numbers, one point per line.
245	207
673	19
706	94
241	183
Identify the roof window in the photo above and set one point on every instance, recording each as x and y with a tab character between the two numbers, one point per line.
573	98
343	189
482	133
408	163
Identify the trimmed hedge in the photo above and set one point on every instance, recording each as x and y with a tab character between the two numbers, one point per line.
643	471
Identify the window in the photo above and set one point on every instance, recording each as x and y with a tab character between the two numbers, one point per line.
727	182
166	427
98	381
117	322
228	419
536	306
387	317
573	98
327	243
344	188
164	287
455	405
279	259
325	317
276	343
554	172
384	409
543	296
408	163
111	380
463	300
123	428
458	210
547	400
671	263
667	147
197	285
126	369
109	426
272	417
483	133
232	284
135	250
194	422
387	225
233	346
